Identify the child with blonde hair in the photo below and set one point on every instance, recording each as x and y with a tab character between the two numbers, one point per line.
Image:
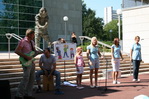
79	63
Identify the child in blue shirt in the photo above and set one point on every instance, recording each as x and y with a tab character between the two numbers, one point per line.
116	54
135	57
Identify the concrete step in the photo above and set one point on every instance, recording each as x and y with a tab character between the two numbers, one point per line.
11	69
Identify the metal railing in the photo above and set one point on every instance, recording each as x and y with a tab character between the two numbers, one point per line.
99	42
10	35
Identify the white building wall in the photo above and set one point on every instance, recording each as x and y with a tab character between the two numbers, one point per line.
136	22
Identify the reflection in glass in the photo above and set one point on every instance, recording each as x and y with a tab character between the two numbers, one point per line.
134	3
16	16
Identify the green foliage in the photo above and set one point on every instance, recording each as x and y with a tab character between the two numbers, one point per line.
91	26
87	42
111	30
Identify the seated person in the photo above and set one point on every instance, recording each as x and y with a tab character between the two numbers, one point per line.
47	63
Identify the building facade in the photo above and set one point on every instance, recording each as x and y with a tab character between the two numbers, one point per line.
18	15
135	23
109	15
15	17
57	9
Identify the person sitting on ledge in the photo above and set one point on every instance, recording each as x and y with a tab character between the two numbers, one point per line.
47	63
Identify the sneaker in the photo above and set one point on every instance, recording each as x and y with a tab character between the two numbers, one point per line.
117	82
138	80
77	87
59	93
38	90
134	80
92	86
114	82
80	87
96	86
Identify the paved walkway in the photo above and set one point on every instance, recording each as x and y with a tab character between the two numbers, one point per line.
126	90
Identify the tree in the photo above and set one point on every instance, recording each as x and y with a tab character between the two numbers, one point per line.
110	35
91	26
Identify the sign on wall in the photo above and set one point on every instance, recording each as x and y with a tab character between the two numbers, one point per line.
65	51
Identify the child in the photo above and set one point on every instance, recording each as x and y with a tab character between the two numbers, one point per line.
79	63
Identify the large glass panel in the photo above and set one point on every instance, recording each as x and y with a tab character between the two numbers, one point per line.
134	3
145	2
15	17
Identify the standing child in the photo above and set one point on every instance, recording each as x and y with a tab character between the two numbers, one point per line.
79	63
135	57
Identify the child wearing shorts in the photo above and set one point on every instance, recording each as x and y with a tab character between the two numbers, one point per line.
79	63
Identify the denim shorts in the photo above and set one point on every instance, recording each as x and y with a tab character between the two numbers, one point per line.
95	63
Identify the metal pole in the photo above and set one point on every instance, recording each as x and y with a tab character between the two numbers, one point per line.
43	41
9	47
42	3
18	18
65	31
9	36
119	27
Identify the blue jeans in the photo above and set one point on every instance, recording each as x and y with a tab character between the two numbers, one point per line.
26	86
136	65
55	73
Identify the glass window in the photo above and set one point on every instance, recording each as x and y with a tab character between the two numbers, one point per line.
134	3
16	16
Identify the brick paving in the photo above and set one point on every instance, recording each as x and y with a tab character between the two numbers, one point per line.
126	90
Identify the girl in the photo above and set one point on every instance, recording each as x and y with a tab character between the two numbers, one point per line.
135	57
93	54
79	63
116	54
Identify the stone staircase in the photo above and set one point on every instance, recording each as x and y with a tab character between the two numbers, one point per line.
10	69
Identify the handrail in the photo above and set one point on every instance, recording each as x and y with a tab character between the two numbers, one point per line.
99	42
19	38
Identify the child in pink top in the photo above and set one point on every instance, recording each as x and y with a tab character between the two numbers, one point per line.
79	63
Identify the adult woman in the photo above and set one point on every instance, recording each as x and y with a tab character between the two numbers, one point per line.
74	37
93	54
135	57
116	54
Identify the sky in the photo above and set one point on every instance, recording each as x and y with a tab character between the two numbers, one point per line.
99	5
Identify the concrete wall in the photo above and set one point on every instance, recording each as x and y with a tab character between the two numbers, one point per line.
57	9
136	22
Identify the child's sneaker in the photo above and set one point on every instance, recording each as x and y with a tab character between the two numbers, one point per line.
91	86
39	90
134	80
114	82
138	80
79	87
118	82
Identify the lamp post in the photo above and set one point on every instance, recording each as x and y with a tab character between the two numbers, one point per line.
110	34
119	12
81	38
65	18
